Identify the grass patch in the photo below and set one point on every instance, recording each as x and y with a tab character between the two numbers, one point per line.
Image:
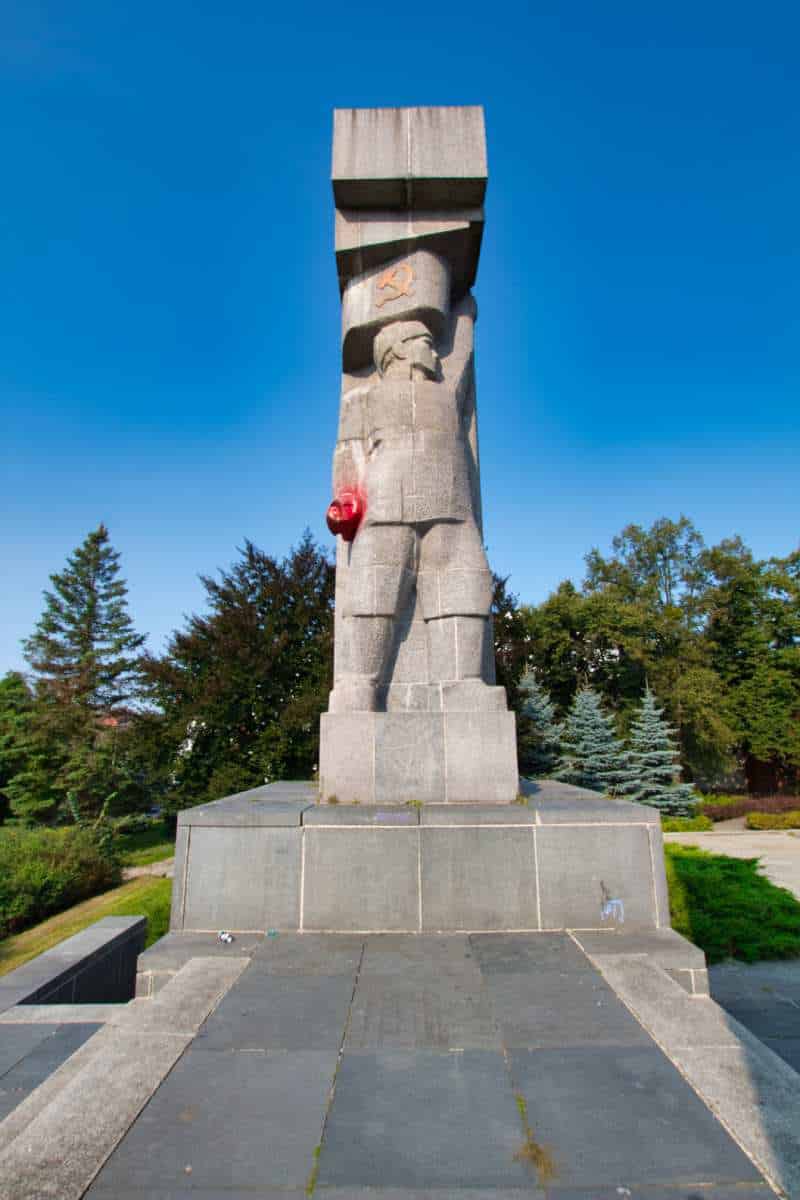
787	820
148	846
686	824
146	897
727	909
530	1152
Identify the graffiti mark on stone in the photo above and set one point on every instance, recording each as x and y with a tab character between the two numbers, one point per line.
613	910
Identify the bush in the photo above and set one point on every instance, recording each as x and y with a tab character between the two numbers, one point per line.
786	820
686	824
43	871
725	808
727	909
134	823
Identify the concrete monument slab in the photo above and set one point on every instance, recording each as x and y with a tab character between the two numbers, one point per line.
414	714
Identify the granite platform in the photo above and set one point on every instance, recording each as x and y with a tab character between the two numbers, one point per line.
561	858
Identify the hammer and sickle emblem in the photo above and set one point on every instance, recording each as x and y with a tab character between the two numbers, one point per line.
398	280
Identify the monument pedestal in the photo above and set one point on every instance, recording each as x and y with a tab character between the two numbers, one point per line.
274	858
419	757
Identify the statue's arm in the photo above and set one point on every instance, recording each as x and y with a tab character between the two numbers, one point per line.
349	455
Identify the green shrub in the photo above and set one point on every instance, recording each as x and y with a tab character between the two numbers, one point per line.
43	871
787	820
727	909
686	824
723	808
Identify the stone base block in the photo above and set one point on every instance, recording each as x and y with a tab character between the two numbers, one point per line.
451	757
566	859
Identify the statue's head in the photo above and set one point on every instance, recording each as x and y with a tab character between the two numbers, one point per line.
405	350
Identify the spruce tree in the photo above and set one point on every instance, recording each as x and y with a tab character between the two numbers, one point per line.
539	733
85	651
654	768
84	655
591	754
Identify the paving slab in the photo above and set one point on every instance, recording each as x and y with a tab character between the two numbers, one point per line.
423	1119
570	1008
309	954
173	950
277	1012
45	1057
58	1014
503	953
16	1041
747	1086
765	998
422	1012
440	1036
389	954
240	1120
622	1116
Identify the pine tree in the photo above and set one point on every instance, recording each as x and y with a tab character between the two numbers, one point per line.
538	731
591	754
654	770
85	649
84	654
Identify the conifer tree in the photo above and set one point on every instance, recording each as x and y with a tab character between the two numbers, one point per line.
84	650
539	733
654	769
591	754
84	655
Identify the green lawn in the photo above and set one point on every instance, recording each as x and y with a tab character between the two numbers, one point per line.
141	849
727	909
148	896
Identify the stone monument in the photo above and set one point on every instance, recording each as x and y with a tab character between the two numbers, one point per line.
414	715
417	733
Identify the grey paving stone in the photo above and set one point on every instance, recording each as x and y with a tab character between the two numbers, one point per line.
246	1121
83	1113
666	946
702	1191
788	1048
449	1193
388	954
623	1117
274	1012
16	1041
40	1062
359	814
478	878
309	954
272	804
198	1193
523	953
562	1008
174	950
11	995
422	1119
422	1012
773	1017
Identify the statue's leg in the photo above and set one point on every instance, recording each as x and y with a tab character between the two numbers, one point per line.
455	586
377	574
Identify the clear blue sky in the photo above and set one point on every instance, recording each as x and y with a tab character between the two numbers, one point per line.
169	327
